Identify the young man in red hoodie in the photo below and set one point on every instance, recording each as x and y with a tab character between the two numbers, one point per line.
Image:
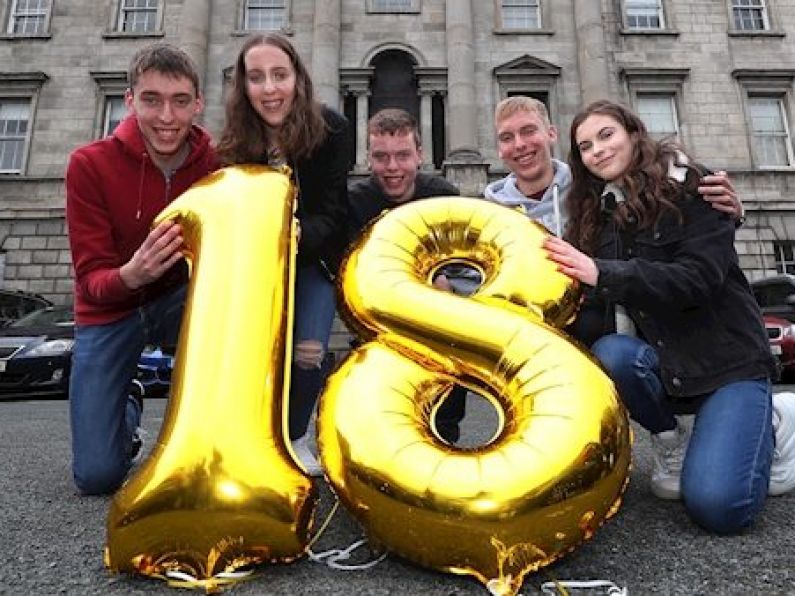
130	280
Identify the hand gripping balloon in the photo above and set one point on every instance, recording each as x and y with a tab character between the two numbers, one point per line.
220	489
558	463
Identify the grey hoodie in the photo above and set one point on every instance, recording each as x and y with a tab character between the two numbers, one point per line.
549	211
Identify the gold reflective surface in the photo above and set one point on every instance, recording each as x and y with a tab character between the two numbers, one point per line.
559	462
220	489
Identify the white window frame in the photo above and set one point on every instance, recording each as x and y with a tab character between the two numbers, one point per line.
528	4
783	264
671	100
15	13
123	10
784	135
387	6
659	9
110	85
776	85
749	7
247	8
112	101
23	138
25	86
662	82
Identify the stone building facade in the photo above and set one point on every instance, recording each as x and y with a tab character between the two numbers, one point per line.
717	73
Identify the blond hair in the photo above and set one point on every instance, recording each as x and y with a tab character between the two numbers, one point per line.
521	103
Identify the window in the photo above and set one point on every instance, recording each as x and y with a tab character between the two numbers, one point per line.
658	112
14	126
265	15
115	111
29	17
139	16
393	6
750	15
770	133
521	14
644	14
785	263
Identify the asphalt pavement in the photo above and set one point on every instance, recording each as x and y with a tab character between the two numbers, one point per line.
51	540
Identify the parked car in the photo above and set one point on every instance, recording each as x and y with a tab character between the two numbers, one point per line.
15	304
781	334
776	296
36	353
36	357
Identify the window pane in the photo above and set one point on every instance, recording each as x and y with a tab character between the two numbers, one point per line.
29	17
138	16
658	113
14	116
521	14
392	5
749	15
644	14
770	131
265	15
785	263
115	111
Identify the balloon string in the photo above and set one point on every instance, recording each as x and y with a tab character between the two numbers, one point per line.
180	579
557	587
332	556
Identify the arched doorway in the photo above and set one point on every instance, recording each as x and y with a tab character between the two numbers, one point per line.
394	84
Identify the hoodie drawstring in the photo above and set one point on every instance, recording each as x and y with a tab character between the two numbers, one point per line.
140	206
556	209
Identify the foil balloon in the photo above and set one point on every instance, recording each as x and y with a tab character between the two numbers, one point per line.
558	463
220	489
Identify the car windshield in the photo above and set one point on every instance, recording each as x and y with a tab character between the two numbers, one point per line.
46	316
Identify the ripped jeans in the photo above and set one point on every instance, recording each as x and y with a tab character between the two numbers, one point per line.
315	305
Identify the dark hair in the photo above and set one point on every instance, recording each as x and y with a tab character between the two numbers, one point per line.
166	59
647	185
392	121
244	138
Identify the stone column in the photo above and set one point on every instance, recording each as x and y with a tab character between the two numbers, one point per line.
326	51
464	166
426	129
356	82
194	34
591	53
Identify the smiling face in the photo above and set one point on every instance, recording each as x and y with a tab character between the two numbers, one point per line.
270	83
165	106
524	143
394	160
605	146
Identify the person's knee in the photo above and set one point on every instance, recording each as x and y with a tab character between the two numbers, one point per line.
718	510
615	352
308	354
99	478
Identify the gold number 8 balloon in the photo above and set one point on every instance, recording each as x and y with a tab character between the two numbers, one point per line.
558	463
220	489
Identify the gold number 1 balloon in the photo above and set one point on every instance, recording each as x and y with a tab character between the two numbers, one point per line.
558	464
220	489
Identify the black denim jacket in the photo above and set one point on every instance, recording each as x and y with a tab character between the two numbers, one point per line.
682	285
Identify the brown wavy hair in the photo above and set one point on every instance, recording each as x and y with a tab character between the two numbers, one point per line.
244	138
648	188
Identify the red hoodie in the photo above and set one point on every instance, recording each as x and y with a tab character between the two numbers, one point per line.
113	192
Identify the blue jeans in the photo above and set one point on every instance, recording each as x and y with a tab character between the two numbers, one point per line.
315	305
103	416
727	465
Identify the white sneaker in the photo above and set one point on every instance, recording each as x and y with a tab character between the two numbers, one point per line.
782	471
306	458
669	448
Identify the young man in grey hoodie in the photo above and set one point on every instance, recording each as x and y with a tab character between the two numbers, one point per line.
538	183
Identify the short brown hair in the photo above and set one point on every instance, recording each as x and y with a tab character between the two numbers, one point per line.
521	103
392	121
166	59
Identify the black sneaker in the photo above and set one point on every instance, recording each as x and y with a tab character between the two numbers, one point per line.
137	393
136	448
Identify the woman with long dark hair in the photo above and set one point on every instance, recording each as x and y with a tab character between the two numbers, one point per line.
671	317
272	117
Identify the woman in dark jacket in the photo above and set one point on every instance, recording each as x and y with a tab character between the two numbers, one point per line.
671	314
272	117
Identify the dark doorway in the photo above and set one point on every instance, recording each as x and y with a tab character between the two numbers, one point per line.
394	84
